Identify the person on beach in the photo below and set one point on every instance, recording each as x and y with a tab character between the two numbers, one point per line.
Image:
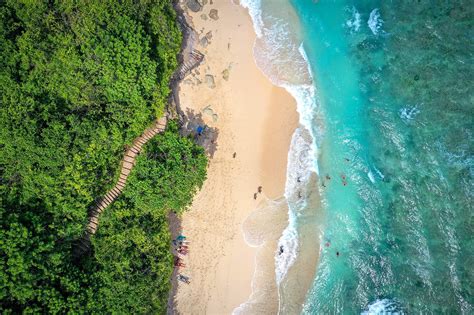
179	243
184	279
281	250
178	262
234	155
259	189
255	196
181	238
328	177
344	182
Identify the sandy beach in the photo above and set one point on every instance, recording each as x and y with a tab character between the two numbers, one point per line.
254	120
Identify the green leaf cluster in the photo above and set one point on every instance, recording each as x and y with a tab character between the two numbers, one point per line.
79	81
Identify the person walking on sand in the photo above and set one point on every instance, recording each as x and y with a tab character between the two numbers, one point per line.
184	279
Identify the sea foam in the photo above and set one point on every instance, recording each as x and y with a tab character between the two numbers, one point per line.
375	22
354	23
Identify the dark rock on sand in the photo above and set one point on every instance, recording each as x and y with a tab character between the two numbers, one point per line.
193	5
204	42
213	14
210	81
225	74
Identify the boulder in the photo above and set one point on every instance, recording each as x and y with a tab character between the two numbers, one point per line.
210	81
204	42
225	74
213	14
193	5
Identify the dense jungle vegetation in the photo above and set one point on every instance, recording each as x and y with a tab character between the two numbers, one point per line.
79	81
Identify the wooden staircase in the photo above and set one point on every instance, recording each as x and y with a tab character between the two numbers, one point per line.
194	60
128	161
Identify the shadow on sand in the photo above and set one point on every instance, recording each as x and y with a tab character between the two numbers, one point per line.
194	126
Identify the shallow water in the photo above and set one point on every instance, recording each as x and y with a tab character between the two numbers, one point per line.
387	100
394	83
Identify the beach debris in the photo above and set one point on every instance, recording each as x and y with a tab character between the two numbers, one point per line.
193	5
204	17
213	14
225	74
210	81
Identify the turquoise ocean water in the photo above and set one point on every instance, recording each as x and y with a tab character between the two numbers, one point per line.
390	108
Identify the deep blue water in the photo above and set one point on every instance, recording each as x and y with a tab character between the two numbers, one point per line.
394	82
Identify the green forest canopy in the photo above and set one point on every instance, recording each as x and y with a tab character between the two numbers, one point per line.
80	80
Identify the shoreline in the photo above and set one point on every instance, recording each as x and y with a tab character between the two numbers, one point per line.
258	128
